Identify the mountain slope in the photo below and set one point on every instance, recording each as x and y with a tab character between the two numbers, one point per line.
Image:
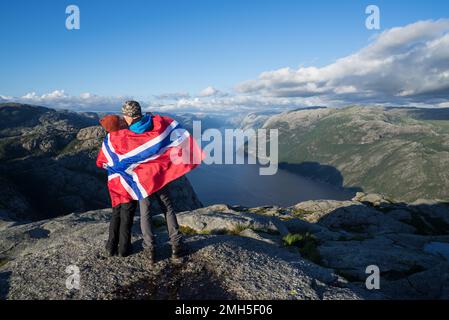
47	164
400	152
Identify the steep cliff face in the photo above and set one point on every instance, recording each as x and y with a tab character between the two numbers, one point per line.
47	165
313	250
400	152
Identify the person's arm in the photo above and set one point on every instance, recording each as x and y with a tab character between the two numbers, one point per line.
102	161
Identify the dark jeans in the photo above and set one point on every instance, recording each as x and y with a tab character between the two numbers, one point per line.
170	217
120	228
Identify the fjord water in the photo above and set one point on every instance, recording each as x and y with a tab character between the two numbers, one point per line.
242	184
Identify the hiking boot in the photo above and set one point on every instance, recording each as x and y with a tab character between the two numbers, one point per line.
124	254
110	252
178	251
150	253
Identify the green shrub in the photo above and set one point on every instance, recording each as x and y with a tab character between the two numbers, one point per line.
260	211
310	252
300	213
307	245
292	239
186	230
3	262
238	228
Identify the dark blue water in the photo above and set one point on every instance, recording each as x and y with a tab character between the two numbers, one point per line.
242	185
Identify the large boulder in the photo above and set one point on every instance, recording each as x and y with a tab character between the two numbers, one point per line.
353	257
313	211
222	218
363	219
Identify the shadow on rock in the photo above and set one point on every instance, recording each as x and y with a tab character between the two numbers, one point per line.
4	284
178	281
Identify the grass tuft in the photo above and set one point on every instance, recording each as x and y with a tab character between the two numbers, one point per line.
292	239
307	245
300	213
187	231
3	262
238	228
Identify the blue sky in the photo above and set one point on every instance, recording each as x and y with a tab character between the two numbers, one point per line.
143	48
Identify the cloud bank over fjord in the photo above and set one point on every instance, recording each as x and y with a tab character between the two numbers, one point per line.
403	66
59	99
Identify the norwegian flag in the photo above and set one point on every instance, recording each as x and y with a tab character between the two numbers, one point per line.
141	164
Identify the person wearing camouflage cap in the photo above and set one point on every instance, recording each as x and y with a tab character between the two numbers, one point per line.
131	111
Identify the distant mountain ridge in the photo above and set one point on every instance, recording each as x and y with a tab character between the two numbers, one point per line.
47	164
400	152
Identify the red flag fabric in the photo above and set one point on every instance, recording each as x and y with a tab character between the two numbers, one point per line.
141	164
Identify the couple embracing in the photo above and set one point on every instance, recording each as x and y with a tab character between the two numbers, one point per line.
142	154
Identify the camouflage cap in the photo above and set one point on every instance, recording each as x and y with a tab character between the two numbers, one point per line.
132	109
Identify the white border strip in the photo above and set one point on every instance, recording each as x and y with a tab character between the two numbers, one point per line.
150	143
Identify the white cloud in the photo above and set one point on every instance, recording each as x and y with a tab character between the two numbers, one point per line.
210	92
231	103
402	65
5	98
60	100
443	105
172	96
406	65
